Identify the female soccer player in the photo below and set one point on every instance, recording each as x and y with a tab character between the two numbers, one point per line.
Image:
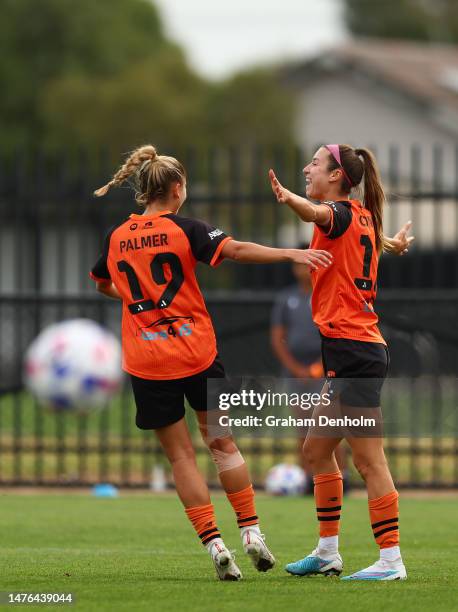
352	346
169	347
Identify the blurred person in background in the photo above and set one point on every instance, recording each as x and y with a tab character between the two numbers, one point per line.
296	342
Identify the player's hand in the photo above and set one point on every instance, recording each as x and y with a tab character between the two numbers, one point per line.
401	241
283	195
312	257
314	370
301	371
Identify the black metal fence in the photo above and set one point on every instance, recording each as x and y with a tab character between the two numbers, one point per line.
50	234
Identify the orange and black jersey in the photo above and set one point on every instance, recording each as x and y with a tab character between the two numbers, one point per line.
167	332
344	294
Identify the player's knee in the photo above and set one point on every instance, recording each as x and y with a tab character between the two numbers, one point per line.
368	466
312	453
225	454
184	453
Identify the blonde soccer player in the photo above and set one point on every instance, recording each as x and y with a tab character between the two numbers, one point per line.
169	347
352	346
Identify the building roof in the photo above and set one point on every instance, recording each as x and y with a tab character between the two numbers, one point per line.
427	73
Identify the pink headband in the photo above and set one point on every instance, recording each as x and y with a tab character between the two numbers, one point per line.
334	150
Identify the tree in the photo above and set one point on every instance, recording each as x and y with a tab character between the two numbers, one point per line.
429	20
45	41
102	75
158	101
252	108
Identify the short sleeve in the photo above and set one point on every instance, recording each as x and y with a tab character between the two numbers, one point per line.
341	217
100	269
278	314
206	240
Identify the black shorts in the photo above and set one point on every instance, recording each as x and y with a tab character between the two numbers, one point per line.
346	360
161	402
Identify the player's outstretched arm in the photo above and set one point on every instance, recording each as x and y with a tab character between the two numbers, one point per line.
306	210
108	289
250	252
399	244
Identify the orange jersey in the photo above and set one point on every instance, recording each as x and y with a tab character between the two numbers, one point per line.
167	332
344	294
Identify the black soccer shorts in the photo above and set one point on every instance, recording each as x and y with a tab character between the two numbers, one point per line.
161	402
355	370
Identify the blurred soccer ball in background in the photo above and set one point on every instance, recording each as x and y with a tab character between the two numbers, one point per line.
74	365
285	479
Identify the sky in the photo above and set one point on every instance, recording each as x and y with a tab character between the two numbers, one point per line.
222	38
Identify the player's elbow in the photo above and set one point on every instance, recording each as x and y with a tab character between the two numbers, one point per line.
102	286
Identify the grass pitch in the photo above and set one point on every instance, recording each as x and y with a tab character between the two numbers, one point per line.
140	553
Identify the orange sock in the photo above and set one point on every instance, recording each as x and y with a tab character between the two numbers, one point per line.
243	504
203	520
384	513
328	499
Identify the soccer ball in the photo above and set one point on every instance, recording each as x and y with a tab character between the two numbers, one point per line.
285	479
73	365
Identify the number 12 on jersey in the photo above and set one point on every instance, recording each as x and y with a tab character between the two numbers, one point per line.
140	304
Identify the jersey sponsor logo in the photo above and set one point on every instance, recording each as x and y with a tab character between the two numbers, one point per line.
185	329
169	321
215	233
162	334
133	226
148	224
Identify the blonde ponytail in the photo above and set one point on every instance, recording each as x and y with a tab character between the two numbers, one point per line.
136	161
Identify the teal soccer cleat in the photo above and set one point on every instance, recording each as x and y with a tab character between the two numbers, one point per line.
316	564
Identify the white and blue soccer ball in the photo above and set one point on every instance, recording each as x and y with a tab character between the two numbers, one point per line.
73	365
285	479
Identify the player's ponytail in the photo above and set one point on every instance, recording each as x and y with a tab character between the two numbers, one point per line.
152	174
147	153
374	195
360	165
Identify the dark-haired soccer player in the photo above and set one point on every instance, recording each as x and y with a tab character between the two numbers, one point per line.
352	346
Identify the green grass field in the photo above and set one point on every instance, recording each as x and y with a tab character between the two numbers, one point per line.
138	552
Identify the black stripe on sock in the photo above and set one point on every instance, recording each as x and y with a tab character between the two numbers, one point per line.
331	509
249	518
380	523
382	531
208	532
211	537
329	518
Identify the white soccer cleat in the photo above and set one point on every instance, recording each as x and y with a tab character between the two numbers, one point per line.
317	563
381	570
223	560
256	548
